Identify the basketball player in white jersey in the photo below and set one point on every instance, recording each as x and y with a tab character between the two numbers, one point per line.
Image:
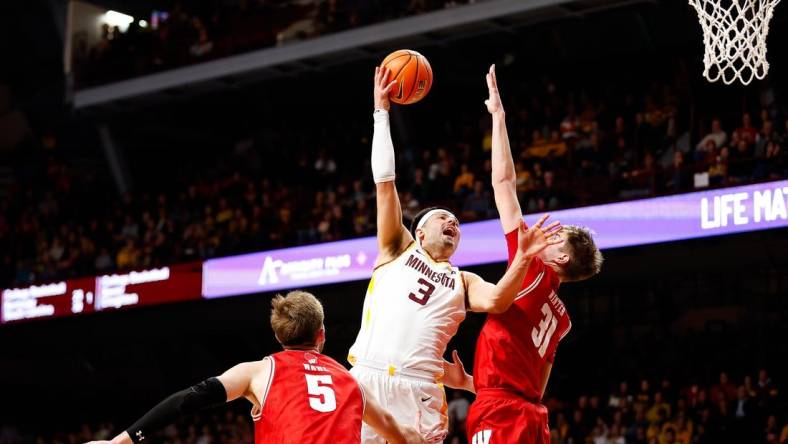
416	299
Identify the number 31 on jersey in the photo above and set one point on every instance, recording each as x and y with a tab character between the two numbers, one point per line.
547	326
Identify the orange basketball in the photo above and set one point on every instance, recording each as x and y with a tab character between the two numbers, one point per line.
413	74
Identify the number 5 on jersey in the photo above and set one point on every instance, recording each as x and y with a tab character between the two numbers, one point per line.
547	327
321	395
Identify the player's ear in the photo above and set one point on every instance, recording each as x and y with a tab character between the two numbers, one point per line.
420	234
321	335
562	259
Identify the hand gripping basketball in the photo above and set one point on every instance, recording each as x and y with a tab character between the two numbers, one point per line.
411	73
382	88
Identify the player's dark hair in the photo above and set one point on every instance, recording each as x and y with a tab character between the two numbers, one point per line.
415	222
585	259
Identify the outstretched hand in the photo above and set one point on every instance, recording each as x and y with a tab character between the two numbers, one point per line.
533	240
454	375
382	88
493	102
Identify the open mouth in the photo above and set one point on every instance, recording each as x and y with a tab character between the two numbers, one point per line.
450	231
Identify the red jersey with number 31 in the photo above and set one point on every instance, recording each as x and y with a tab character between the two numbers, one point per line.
514	347
311	399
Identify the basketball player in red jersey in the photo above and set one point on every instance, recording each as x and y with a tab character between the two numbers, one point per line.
299	395
516	349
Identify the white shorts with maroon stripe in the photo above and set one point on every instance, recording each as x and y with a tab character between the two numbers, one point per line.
412	400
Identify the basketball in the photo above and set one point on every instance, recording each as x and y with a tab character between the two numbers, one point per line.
413	74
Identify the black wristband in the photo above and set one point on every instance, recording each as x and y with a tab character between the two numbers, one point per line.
208	393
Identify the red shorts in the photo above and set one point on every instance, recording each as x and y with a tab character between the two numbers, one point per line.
503	417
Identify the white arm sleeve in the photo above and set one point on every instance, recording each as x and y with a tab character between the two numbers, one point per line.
382	148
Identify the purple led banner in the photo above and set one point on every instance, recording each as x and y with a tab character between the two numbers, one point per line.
624	224
290	268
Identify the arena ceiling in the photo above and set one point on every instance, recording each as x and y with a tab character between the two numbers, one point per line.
439	28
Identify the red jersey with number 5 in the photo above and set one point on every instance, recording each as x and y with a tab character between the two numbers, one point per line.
514	347
310	398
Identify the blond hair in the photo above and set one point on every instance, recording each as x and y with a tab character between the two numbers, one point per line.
296	318
585	259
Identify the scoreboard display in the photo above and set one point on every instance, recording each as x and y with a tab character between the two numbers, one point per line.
100	293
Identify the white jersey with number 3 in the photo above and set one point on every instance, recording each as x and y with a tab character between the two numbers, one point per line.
413	307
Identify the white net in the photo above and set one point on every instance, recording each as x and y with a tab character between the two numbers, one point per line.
734	34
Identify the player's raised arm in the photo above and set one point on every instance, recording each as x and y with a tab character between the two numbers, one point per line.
487	297
385	424
393	237
232	384
504	178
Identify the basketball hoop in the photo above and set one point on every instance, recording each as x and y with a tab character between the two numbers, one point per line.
734	34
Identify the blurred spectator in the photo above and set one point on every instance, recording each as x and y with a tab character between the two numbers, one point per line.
706	152
771	431
458	413
555	147
559	432
641	181
684	428
740	167
716	135
766	136
746	131
783	435
545	197
644	394
669	436
718	171
678	176
724	389
578	428
478	204
590	157
764	381
621	396
464	181
658	408
128	256
538	147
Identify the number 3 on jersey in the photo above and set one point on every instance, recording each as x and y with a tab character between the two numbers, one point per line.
547	327
426	289
321	395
